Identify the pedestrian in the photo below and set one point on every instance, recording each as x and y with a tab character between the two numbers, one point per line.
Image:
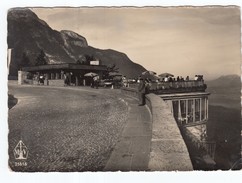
141	92
124	81
65	79
96	81
92	82
166	78
170	79
47	79
41	79
38	81
138	80
196	77
71	79
147	85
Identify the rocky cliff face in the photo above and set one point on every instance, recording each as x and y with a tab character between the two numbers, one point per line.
28	34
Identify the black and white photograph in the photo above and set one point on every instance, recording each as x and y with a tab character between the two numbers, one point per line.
107	89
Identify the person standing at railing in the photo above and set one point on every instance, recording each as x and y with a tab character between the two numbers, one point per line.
166	79
196	77
141	92
95	81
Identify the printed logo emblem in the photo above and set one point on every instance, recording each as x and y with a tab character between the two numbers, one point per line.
21	151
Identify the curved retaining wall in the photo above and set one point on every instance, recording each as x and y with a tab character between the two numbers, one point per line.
168	150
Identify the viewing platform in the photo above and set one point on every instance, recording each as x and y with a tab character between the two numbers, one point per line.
174	87
187	102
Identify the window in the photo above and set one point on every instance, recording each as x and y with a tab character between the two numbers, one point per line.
197	110
190	110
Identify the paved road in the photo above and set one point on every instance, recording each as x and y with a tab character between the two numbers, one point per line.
65	129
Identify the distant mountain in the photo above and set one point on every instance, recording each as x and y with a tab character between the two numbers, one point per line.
225	81
225	91
28	34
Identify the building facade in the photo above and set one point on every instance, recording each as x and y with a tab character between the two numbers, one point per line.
54	73
190	110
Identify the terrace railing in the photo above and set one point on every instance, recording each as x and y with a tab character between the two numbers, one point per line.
174	86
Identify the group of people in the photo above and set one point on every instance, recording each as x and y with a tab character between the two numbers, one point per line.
180	78
173	79
144	85
69	78
198	78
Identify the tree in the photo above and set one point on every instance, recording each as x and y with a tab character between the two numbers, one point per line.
111	69
41	58
24	60
78	62
83	59
88	59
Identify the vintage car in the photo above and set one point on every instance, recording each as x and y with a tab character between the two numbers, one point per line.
106	82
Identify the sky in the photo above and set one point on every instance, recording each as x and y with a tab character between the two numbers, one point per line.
178	40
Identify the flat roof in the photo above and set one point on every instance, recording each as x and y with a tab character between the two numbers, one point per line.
71	66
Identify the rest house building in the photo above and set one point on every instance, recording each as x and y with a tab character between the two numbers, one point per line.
54	73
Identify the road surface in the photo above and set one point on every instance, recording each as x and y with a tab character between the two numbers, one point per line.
64	129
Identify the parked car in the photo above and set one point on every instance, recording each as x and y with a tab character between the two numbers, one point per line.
108	82
131	81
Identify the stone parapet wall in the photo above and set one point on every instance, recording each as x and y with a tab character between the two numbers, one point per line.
205	148
168	149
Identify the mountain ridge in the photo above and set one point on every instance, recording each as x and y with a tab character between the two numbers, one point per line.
231	80
28	34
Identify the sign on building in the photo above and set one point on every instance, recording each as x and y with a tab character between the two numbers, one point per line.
94	62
